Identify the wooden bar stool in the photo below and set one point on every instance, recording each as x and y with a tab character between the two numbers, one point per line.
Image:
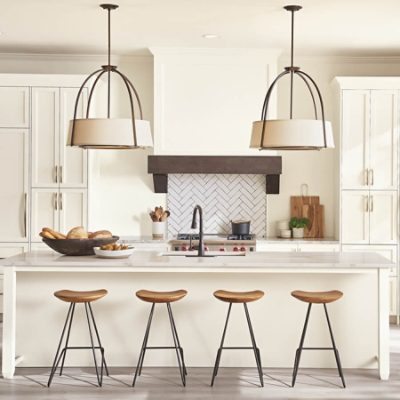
166	298
74	297
317	298
244	298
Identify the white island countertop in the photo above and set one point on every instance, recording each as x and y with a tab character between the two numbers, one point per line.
361	317
252	262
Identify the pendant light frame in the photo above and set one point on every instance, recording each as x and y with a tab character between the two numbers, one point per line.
132	93
310	84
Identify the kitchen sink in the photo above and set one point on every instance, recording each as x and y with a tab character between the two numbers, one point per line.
207	254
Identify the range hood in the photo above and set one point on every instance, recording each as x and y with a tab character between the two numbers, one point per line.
161	166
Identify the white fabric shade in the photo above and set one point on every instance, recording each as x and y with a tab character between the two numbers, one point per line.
292	134
103	133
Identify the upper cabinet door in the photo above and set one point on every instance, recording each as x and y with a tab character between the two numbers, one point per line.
355	138
14	211
355	217
383	139
45	137
73	160
383	217
14	107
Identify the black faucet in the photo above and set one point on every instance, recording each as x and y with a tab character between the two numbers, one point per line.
194	226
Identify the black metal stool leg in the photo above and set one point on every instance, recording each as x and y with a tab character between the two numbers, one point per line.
99	376
177	339
67	340
338	363
144	344
98	339
254	345
177	346
218	358
300	348
57	358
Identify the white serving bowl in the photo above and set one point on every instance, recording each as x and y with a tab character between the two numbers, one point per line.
113	253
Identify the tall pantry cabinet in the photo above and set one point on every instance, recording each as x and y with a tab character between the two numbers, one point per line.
44	182
368	164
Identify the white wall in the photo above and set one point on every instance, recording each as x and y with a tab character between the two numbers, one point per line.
317	169
121	191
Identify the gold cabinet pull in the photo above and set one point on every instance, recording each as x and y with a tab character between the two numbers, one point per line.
366	176
60	176
371	206
56	174
60	201
372	177
366	199
55	201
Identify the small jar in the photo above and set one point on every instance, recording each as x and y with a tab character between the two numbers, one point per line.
158	229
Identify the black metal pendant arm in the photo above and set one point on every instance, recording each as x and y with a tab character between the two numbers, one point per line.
92	90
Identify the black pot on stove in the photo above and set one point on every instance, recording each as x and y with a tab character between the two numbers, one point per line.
240	227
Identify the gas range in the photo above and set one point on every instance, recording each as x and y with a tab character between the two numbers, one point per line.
186	242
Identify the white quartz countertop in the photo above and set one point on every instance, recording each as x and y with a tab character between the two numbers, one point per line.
151	261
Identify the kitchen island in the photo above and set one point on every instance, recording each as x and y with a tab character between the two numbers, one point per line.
33	318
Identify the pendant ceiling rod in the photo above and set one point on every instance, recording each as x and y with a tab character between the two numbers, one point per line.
292	9
109	8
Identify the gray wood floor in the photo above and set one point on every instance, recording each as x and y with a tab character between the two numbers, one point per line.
231	383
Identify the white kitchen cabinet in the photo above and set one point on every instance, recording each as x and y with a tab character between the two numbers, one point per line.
369	217
72	207
14	194
355	216
45	136
272	246
369	144
58	210
383	217
14	107
54	164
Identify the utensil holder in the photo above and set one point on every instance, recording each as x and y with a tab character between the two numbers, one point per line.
158	229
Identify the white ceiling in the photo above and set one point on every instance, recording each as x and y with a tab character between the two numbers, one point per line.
339	27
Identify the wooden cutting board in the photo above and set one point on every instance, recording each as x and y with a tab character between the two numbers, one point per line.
309	207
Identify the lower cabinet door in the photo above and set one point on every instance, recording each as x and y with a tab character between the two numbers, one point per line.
355	217
45	205
72	205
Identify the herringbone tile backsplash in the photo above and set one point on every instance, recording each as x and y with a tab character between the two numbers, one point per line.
222	197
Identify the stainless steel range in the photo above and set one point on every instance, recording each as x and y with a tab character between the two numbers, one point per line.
239	243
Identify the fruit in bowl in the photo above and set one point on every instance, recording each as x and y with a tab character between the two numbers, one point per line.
77	242
114	250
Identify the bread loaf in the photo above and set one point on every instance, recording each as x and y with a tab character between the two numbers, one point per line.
77	233
47	235
100	234
56	234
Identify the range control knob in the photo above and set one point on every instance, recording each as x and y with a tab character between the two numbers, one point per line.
243	248
206	248
184	248
221	249
236	248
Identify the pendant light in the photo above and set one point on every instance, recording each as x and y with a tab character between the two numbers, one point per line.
110	133
293	134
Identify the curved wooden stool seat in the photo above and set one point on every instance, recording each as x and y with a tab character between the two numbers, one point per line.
238	297
86	297
317	297
75	296
161	297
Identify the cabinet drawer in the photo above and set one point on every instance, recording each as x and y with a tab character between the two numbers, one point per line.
319	247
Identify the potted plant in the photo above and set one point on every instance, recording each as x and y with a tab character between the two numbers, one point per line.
297	226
